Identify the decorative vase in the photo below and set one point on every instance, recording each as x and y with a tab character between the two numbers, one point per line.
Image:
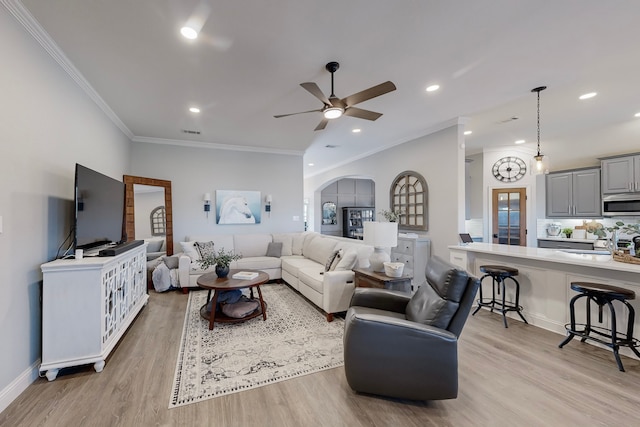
222	271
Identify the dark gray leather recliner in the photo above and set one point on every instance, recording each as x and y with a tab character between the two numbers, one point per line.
406	346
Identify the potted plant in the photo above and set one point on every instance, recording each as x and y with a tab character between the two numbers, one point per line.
567	232
222	259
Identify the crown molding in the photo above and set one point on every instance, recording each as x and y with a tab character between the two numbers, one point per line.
28	21
216	146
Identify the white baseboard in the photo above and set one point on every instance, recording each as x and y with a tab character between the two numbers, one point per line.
17	386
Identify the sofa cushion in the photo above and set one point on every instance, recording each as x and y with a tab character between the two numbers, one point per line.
274	249
250	245
256	263
312	277
294	263
437	301
319	249
287	242
347	260
297	242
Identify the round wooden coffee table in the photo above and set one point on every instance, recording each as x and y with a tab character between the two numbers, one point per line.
217	284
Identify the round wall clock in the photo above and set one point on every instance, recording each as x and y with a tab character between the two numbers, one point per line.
509	169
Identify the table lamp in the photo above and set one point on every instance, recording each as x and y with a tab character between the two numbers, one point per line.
380	235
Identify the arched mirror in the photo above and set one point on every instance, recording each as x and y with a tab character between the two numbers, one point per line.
151	188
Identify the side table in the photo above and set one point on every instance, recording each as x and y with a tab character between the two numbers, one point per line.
367	278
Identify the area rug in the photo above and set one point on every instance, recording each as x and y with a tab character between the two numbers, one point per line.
295	340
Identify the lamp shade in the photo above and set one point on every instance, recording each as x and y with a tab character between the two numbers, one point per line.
207	197
381	234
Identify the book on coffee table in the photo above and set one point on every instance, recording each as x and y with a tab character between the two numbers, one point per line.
245	275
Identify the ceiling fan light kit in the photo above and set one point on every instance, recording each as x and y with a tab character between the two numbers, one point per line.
335	107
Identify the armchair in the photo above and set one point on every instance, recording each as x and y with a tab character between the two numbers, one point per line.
406	346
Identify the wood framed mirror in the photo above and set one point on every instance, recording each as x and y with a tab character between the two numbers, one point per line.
129	207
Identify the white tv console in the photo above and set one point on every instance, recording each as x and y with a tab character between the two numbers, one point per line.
87	306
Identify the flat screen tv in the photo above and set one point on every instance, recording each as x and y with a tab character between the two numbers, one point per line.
99	209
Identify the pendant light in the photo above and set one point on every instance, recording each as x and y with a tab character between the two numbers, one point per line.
539	156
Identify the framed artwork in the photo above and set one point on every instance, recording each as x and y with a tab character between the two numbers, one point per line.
238	207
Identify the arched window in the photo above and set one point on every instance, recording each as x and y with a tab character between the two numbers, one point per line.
409	196
158	221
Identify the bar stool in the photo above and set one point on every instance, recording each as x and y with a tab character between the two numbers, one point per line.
601	295
499	274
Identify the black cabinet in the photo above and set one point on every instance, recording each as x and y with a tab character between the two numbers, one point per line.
352	220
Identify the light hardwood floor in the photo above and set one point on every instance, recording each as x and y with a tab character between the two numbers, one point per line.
508	377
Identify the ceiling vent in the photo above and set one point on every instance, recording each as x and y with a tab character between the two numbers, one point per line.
191	132
331	146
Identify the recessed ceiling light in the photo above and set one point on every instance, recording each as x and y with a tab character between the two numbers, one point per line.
194	109
189	33
433	88
520	141
310	164
636	115
468	132
356	130
588	95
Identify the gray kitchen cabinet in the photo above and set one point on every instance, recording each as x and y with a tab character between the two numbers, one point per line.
574	193
621	174
558	244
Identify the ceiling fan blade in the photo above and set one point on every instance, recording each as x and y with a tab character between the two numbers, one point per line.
322	124
367	94
293	114
314	90
362	114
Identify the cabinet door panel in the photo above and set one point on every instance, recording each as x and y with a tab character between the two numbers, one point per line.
586	193
559	188
617	175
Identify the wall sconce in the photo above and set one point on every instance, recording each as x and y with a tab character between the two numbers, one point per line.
267	204
207	203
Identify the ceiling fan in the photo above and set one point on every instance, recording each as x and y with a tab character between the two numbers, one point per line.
335	107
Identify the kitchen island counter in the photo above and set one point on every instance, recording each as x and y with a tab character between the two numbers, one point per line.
545	276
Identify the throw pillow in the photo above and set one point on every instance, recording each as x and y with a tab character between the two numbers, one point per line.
205	249
189	249
347	261
332	257
274	249
172	261
336	260
287	242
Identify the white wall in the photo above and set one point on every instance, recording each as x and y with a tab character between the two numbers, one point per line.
195	171
145	203
47	124
529	182
438	157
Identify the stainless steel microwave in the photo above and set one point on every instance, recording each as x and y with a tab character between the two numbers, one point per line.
621	205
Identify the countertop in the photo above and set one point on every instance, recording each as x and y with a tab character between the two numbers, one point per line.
549	255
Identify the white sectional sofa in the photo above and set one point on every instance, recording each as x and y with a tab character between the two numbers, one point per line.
301	264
